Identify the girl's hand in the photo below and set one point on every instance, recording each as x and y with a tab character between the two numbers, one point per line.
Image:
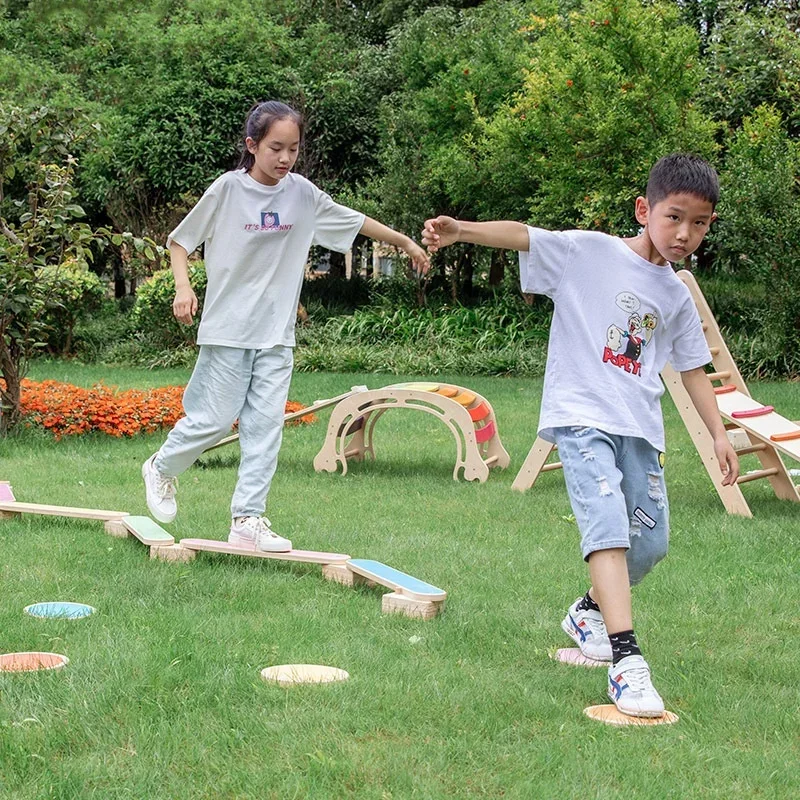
184	306
440	232
419	258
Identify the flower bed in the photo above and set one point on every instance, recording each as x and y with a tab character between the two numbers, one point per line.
67	410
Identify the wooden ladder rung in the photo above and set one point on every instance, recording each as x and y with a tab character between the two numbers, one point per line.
549	467
714	351
757	475
753	448
489	461
719	376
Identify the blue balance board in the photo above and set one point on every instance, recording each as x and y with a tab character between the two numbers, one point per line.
388	576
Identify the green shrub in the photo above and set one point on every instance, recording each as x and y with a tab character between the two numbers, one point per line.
152	316
74	292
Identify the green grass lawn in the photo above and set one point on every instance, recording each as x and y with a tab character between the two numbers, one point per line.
162	697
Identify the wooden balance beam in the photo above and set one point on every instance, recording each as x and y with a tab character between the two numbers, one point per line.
12	508
187	550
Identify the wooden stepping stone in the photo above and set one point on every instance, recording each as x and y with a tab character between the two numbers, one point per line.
409	595
611	716
292	674
31	662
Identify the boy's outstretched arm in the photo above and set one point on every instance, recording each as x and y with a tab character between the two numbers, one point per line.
377	230
701	392
442	231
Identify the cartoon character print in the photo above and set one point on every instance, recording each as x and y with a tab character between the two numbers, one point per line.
624	346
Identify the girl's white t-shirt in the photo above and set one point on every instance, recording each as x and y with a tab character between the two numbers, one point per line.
618	320
257	240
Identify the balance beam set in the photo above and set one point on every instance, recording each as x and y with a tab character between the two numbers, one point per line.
410	596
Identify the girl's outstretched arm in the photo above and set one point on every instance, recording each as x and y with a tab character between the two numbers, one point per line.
442	231
377	230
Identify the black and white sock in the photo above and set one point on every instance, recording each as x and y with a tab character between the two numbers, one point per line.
587	604
623	644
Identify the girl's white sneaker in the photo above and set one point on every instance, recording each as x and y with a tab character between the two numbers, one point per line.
256	533
159	492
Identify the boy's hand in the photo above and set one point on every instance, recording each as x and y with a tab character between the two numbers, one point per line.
419	258
440	232
728	460
184	306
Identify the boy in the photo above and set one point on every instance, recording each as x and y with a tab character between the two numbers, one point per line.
620	314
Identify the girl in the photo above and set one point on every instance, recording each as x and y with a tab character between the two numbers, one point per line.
258	223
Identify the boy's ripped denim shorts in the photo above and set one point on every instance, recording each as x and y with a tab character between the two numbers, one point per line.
618	495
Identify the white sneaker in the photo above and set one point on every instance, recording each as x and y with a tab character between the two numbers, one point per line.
159	492
588	631
256	533
630	688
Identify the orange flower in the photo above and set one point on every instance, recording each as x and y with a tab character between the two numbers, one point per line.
68	410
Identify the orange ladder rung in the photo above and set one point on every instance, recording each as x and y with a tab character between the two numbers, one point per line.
785	437
448	391
465	399
485	433
728	387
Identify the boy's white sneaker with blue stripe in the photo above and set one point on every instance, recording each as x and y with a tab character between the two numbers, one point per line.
631	690
588	631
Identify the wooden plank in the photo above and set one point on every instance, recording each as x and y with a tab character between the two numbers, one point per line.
147	531
61	511
398	581
305	556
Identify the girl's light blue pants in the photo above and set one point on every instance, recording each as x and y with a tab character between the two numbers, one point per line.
230	383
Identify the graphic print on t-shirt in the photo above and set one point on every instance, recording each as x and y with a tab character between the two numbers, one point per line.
624	346
270	221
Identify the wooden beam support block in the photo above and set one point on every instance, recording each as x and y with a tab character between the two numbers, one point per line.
173	552
114	527
394	603
338	573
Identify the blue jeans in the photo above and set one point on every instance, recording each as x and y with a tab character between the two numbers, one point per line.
618	495
230	383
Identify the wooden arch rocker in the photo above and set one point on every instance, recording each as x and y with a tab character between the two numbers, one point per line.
469	417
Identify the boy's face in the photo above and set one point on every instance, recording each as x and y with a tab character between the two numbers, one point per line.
677	224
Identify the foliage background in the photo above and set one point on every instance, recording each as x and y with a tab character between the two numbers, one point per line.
548	111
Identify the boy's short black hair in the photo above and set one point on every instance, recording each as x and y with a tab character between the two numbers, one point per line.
682	173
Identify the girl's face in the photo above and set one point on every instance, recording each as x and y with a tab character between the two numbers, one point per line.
276	153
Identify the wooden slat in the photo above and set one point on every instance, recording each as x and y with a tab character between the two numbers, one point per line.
306	556
61	511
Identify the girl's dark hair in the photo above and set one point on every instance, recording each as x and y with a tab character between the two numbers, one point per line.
682	173
260	118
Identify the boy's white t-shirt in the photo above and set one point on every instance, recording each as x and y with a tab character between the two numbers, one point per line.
618	320
257	240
